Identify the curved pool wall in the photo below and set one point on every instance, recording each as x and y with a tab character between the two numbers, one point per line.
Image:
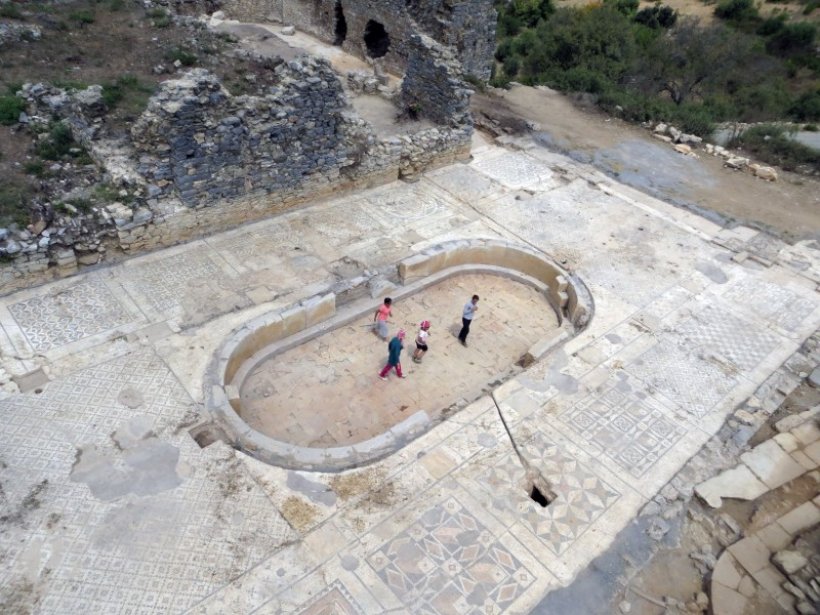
277	331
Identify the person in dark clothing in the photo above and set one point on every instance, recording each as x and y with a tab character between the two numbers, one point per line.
394	349
470	308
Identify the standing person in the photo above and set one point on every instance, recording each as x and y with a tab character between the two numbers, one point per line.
470	308
394	349
380	318
421	341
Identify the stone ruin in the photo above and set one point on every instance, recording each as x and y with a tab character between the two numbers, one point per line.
385	29
200	159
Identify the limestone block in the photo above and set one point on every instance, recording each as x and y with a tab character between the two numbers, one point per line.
772	464
737	483
420	266
293	321
319	308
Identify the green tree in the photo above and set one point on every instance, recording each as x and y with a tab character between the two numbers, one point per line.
691	61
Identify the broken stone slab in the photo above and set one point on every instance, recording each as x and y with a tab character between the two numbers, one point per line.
789	561
738	483
796	420
772	464
814	378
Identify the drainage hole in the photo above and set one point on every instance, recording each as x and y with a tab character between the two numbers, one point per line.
539	498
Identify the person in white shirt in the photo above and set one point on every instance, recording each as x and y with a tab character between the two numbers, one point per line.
421	341
470	308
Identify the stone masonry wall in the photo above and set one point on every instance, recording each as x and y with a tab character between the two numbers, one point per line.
432	87
201	144
207	161
468	26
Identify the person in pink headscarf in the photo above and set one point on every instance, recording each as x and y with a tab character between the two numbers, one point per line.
421	341
394	349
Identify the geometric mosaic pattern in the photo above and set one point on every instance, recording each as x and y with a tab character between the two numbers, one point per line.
693	383
164	281
632	432
334	600
447	562
514	170
158	553
76	312
581	496
771	302
739	341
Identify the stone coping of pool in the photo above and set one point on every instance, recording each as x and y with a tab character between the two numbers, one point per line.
280	330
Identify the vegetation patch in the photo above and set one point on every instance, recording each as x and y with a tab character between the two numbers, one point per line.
652	64
14	198
10	109
777	145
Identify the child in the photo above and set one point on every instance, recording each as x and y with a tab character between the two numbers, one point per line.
421	341
394	349
380	318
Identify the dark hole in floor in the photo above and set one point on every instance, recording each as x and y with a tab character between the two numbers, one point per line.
205	435
538	497
38	391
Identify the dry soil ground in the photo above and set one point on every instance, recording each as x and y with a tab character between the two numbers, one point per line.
789	207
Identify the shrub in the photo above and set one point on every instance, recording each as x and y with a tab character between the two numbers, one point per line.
160	17
737	11
774	145
694	118
185	57
657	17
810	128
125	87
625	7
807	107
10	109
511	66
771	25
58	144
792	39
10	10
35	167
82	16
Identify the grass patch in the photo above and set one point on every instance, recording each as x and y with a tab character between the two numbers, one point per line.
10	109
185	56
160	18
11	11
774	144
82	16
60	145
128	93
36	168
14	204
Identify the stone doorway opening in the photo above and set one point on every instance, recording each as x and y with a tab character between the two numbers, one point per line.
339	24
376	39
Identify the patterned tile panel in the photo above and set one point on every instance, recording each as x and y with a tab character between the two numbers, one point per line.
632	432
771	302
448	562
693	383
514	170
164	281
582	496
335	600
739	341
76	312
155	553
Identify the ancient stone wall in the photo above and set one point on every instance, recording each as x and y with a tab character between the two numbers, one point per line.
201	144
468	26
431	86
205	161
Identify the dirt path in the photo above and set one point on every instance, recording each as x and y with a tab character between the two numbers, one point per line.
789	208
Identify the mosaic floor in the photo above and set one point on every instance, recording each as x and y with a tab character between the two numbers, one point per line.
110	506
